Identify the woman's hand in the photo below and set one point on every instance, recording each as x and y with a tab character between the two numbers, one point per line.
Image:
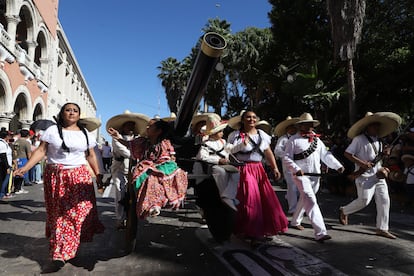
114	133
277	173
19	172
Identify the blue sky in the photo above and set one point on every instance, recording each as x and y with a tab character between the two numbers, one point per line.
119	47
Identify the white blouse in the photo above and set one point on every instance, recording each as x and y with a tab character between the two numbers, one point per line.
75	140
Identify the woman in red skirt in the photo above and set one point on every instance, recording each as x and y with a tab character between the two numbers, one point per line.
259	213
71	212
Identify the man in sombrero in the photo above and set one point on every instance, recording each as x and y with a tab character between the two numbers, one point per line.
365	152
284	130
129	125
303	156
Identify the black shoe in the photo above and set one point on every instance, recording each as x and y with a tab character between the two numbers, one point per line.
28	184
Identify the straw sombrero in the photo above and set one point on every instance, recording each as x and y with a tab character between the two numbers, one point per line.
90	123
406	157
140	120
213	125
307	118
199	117
265	126
280	129
169	119
235	122
389	122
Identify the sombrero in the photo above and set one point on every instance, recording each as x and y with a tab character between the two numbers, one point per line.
388	121
140	120
265	126
199	117
280	129
169	119
213	125
406	157
235	122
307	118
90	123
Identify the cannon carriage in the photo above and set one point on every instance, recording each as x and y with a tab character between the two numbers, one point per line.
219	217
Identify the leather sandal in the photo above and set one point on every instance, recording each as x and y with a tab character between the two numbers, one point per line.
385	234
298	227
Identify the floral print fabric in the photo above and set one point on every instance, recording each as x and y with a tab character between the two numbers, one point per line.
71	210
161	181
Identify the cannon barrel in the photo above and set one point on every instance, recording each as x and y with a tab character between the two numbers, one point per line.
212	46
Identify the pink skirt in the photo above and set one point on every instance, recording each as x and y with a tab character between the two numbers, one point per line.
259	212
71	212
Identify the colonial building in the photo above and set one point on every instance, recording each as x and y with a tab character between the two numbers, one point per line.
38	69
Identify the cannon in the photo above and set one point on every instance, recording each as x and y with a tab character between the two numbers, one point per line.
220	218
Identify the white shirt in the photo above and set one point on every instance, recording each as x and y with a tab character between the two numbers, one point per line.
75	140
362	149
206	151
239	146
281	146
5	148
410	175
311	164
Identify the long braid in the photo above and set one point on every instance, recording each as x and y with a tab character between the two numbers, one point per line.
86	136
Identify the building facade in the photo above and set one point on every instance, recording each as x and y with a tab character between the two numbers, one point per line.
38	69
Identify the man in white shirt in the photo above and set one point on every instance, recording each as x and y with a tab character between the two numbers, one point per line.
365	151
304	153
284	130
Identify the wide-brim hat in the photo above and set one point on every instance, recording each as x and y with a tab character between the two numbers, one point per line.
265	126
90	123
169	119
235	122
200	117
140	120
406	157
214	125
307	118
280	128
388	121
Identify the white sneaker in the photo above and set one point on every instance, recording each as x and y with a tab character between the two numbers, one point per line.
40	182
21	192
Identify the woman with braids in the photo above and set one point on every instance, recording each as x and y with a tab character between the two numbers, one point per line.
158	181
260	214
71	212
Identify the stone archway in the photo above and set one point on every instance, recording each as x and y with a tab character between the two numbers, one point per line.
21	110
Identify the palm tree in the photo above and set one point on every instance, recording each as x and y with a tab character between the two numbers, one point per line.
171	75
347	18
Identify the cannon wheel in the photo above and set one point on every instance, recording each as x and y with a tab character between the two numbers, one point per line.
220	218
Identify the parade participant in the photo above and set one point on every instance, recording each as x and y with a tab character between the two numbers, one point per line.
259	211
215	152
303	154
157	179
366	150
6	160
22	150
129	125
284	130
71	212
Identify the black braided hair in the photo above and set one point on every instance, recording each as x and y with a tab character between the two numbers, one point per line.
61	124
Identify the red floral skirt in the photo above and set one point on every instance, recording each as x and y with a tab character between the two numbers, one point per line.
71	210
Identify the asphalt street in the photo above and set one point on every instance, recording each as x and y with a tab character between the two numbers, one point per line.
177	243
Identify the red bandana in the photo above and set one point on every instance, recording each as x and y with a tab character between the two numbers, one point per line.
310	136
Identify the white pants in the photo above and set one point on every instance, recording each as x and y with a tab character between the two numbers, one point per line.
227	183
308	186
292	193
119	180
367	188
